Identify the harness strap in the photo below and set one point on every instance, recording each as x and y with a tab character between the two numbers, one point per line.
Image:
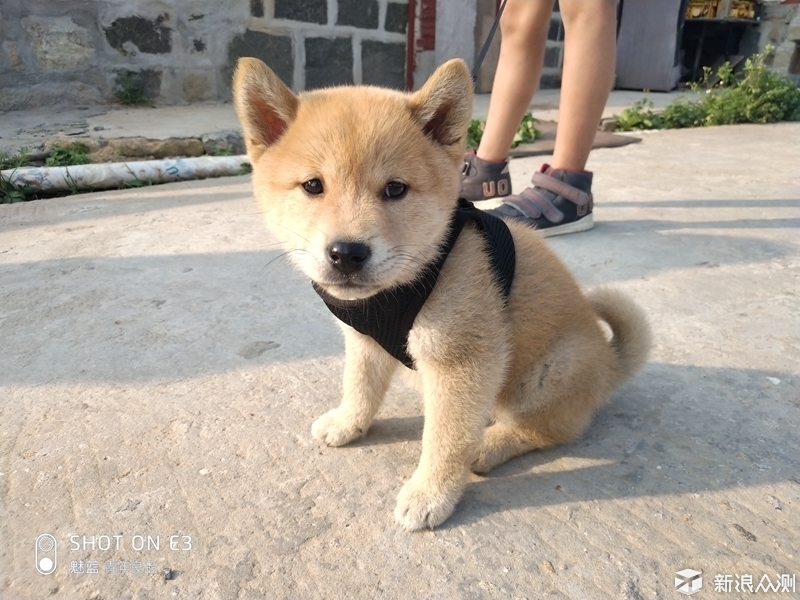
388	316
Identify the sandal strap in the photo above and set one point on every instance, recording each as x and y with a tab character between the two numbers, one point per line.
551	184
532	204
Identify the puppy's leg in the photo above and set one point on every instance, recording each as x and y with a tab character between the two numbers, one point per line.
367	373
552	403
503	441
458	402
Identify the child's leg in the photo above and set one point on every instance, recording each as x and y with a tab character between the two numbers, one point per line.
524	26
587	77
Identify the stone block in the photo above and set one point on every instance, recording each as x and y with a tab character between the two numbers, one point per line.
396	17
12	54
72	94
275	50
550	81
555	33
793	31
58	43
552	57
783	57
308	11
329	62
257	8
93	145
197	87
794	63
223	142
137	147
149	36
383	64
147	82
358	13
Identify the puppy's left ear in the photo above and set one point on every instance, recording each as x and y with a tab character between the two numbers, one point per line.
265	106
443	106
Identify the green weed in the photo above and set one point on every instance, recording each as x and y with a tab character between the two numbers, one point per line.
756	95
132	94
526	132
11	193
475	133
639	116
20	159
68	156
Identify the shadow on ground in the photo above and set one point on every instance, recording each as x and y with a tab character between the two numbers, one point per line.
167	315
672	430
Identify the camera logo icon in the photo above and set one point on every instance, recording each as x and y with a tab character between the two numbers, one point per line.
46	554
688	581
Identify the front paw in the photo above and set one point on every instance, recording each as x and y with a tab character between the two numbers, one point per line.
422	504
336	428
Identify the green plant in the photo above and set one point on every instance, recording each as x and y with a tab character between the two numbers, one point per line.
132	93
526	132
245	168
67	156
475	133
683	112
222	152
20	159
11	193
756	95
639	116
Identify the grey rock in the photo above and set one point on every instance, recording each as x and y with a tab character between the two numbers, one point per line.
223	142
58	42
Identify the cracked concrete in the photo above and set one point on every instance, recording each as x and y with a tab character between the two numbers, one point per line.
162	366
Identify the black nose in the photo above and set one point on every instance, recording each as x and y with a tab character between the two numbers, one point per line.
348	257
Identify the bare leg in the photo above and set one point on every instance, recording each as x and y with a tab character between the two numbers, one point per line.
587	77
524	26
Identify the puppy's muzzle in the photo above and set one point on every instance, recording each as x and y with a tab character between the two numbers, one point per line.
348	257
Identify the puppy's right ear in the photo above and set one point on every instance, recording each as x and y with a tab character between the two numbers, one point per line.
265	106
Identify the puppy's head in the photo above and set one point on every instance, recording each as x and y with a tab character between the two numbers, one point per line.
357	182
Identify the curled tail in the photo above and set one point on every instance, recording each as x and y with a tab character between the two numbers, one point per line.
631	339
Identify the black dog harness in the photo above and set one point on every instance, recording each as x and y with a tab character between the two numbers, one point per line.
387	317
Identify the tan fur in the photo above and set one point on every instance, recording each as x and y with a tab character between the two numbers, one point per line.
536	369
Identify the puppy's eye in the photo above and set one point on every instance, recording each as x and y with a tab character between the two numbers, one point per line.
395	190
313	187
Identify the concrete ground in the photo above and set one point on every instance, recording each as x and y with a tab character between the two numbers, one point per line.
30	129
162	365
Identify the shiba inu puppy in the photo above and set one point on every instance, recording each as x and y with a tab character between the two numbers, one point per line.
360	184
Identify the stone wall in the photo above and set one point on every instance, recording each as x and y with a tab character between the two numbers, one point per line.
553	53
317	43
84	52
780	27
554	49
